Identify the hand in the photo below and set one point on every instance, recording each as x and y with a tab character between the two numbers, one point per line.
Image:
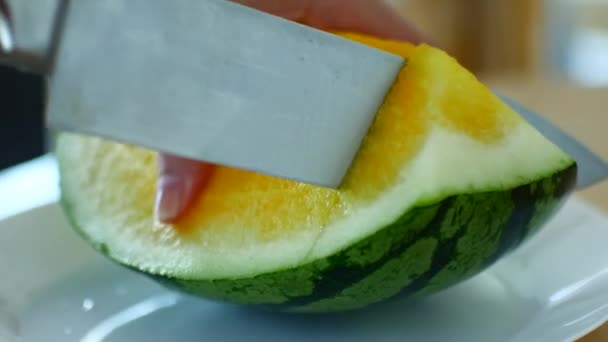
181	179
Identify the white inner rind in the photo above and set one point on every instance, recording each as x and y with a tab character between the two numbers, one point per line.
450	163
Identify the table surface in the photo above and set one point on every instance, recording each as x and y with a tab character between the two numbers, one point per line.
582	112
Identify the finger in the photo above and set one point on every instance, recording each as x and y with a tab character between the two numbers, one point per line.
373	17
179	181
295	10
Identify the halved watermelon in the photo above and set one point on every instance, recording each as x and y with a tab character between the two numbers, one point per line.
448	180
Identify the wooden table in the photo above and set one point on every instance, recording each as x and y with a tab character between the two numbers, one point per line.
583	112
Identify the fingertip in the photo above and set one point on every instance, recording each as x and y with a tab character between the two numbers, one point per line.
179	182
376	18
170	198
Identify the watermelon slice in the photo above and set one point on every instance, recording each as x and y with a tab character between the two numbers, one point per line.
448	180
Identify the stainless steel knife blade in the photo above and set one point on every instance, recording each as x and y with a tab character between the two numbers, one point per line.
216	81
208	80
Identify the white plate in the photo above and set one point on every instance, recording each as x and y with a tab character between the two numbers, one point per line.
53	287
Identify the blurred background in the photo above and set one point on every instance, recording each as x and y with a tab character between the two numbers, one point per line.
558	39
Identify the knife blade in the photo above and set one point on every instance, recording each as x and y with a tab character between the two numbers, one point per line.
217	81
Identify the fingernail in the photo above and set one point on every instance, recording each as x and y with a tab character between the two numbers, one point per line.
169	199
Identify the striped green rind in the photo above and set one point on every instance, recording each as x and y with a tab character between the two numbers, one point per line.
427	249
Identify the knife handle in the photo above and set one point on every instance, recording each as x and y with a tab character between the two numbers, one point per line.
28	32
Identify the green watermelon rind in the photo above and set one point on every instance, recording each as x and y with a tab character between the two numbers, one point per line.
429	248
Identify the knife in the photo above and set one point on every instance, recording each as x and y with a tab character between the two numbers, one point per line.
192	77
207	80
